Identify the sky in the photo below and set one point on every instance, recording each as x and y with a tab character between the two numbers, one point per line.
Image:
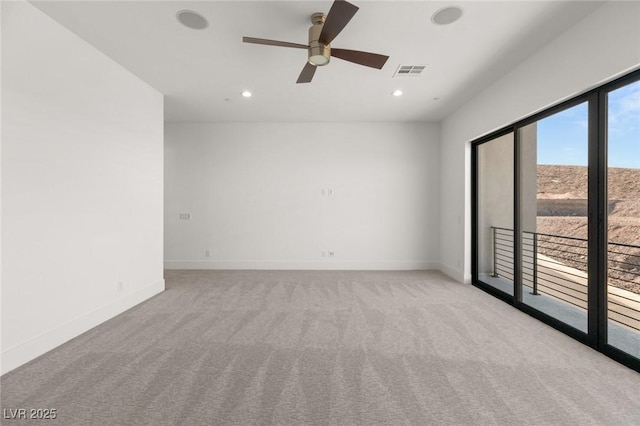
562	137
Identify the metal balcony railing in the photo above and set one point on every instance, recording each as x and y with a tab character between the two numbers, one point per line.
556	266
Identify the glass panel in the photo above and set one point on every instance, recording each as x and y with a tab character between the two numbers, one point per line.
623	189
554	192
495	213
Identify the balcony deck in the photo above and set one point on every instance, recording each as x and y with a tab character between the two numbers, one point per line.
561	289
620	336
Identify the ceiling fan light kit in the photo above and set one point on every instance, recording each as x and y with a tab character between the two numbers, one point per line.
324	29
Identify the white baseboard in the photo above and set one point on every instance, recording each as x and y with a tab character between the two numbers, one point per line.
311	265
36	346
456	274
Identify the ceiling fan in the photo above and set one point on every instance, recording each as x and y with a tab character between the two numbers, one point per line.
324	29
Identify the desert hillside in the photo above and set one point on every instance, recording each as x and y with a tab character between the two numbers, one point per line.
562	209
562	205
571	182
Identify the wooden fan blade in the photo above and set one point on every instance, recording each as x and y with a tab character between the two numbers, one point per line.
307	73
338	17
367	59
273	42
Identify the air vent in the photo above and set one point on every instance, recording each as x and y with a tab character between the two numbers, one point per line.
409	70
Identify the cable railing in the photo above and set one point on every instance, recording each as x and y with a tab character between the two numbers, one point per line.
556	266
502	252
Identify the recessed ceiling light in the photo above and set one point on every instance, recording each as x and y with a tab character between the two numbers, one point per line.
246	94
446	15
397	93
191	19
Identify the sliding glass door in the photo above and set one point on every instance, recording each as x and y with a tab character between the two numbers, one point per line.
553	192
495	213
623	210
556	217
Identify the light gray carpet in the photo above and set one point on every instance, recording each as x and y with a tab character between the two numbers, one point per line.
341	348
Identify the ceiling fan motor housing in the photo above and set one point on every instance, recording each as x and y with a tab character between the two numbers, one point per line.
319	53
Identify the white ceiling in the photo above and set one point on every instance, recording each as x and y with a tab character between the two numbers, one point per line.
203	72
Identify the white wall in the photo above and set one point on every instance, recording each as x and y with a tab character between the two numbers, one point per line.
255	195
82	186
605	44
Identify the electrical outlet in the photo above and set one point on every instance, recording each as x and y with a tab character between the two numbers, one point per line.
331	254
207	253
185	216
